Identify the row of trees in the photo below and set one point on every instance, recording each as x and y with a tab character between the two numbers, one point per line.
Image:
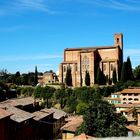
127	74
30	78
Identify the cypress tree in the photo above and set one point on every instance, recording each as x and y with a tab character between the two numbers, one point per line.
87	78
100	79
124	72
36	76
114	76
68	79
129	70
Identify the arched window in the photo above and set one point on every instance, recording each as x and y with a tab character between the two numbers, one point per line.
130	99
64	68
85	63
124	99
136	99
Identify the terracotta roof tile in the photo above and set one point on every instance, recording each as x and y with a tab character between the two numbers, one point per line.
131	90
83	136
19	115
4	113
89	48
42	114
73	123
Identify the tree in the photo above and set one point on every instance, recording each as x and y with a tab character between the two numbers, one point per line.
36	77
81	108
87	78
68	79
124	72
47	93
100	120
100	79
137	72
114	76
130	75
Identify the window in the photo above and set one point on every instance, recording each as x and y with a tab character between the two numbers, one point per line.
124	99
118	40
104	67
76	67
129	99
124	102
85	63
136	99
130	94
112	67
124	94
135	94
64	68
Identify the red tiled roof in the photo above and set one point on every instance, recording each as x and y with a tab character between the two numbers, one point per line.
127	105
73	123
83	136
131	90
132	128
4	113
89	48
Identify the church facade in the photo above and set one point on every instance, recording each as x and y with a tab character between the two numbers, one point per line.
89	59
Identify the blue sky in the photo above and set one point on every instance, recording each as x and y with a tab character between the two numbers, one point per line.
35	32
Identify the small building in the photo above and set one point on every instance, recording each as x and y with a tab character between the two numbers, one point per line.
130	95
114	99
4	124
58	121
83	136
20	124
48	77
69	129
43	124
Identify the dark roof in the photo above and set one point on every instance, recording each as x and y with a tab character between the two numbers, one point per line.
90	48
16	102
42	114
73	123
19	115
58	113
4	113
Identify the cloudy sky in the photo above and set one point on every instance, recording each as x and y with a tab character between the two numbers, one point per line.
35	32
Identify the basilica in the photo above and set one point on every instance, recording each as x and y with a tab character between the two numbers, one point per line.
89	59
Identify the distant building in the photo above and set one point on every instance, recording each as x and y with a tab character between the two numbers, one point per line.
69	129
24	119
89	59
48	78
114	99
4	124
130	95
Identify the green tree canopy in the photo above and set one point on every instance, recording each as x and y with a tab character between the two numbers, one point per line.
100	79
36	77
68	79
87	78
124	72
130	75
137	72
114	76
100	120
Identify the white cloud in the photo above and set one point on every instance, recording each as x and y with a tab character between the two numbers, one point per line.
18	6
129	5
26	58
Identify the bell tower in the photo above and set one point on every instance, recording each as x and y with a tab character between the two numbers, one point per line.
118	40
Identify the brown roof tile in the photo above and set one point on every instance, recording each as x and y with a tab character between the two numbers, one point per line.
82	136
131	90
73	123
89	48
42	114
19	115
4	113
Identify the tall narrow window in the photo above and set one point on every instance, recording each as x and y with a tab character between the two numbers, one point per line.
85	63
